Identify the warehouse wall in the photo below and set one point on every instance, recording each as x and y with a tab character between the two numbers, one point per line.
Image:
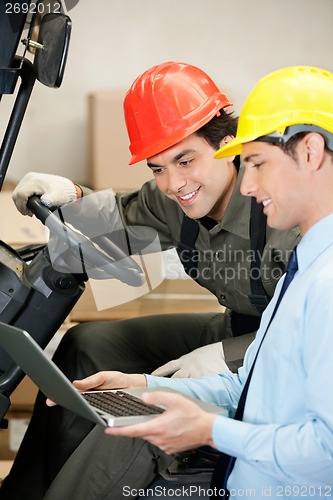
235	41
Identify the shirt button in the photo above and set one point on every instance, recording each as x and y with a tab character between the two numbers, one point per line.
222	296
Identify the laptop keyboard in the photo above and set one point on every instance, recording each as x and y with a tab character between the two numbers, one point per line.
120	404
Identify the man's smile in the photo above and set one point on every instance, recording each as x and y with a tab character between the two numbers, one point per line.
187	198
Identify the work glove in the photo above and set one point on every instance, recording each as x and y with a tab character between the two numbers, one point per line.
55	191
202	361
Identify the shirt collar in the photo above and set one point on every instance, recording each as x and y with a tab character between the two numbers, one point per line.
236	218
315	241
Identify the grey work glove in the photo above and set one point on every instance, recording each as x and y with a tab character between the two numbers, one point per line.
202	361
55	190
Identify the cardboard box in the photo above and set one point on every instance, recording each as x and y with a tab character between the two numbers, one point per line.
171	296
108	145
23	398
17	230
5	466
11	438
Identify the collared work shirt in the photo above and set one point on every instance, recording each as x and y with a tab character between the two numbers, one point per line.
284	445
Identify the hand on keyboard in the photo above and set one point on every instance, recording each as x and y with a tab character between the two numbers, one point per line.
107	380
110	380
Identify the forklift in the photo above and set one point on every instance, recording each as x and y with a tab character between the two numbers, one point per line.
38	292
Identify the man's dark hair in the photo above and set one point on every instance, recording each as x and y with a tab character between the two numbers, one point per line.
290	146
218	128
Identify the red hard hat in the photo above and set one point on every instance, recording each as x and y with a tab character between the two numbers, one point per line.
166	104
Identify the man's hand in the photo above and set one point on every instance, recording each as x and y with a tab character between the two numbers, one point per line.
183	426
202	361
110	380
55	191
107	380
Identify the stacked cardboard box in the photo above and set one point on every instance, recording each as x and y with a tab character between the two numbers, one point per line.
18	416
108	145
10	438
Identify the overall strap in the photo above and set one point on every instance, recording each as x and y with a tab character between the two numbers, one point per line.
258	297
186	247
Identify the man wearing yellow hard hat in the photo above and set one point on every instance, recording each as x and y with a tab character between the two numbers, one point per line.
280	443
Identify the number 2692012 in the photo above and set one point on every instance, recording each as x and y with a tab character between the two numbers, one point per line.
33	8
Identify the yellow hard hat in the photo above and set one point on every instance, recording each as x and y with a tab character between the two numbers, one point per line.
297	95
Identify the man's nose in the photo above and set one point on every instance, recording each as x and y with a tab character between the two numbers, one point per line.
248	185
176	180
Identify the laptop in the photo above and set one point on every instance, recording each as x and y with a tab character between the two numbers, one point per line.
99	407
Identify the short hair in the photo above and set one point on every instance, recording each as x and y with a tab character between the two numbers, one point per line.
217	128
290	146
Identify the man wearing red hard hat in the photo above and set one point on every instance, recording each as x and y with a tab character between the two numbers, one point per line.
176	120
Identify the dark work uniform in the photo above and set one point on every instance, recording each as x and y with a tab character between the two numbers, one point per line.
100	466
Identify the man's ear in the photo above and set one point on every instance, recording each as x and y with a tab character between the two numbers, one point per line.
225	141
314	148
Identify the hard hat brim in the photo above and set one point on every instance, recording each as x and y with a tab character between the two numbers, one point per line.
232	148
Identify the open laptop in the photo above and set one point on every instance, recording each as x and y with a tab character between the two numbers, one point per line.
25	351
